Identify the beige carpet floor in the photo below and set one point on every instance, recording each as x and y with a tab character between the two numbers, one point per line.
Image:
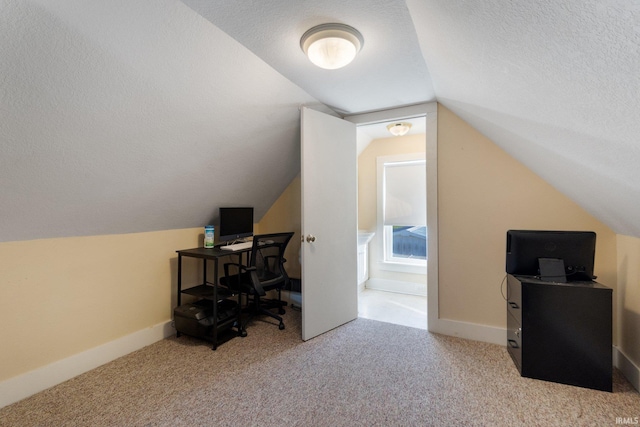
365	373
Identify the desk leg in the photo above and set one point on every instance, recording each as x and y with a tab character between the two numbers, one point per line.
215	296
241	329
215	303
179	286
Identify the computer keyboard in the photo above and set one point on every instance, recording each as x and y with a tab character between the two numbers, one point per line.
237	246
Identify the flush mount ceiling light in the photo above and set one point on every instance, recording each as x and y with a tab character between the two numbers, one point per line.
331	46
399	129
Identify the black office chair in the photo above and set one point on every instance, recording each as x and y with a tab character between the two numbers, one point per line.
264	272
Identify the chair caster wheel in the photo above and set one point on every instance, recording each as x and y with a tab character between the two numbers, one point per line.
281	326
243	334
281	311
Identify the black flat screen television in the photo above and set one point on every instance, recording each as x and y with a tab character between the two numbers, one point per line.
576	248
235	223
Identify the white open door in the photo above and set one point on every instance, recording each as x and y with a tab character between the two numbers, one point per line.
329	223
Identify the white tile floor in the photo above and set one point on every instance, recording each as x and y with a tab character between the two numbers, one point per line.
390	307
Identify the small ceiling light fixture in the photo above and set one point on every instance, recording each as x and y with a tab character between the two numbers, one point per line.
399	129
331	46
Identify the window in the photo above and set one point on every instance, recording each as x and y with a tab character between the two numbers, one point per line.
402	211
406	244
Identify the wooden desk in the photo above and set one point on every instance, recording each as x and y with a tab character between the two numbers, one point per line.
209	290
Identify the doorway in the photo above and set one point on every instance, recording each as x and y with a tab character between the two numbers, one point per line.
392	207
422	110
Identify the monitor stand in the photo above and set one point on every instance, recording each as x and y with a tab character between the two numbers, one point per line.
552	270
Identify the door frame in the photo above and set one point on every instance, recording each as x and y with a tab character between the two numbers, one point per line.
430	112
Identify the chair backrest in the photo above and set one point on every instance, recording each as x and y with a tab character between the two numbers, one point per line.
267	256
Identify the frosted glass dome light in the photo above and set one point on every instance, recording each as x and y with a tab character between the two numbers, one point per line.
399	129
331	46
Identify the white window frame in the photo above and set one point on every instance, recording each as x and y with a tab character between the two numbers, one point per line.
386	260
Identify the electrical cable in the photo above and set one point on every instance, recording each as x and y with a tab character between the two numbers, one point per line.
501	286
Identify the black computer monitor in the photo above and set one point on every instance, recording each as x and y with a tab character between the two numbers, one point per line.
235	223
576	248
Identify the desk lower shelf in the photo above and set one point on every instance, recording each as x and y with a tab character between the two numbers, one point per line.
196	319
206	291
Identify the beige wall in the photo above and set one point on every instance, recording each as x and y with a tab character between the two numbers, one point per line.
285	215
368	195
60	297
628	297
482	193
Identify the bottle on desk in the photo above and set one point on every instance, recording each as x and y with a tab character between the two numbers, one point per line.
208	236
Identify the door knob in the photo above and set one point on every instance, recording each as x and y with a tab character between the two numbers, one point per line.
311	238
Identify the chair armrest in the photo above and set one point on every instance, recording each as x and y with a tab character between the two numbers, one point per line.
255	281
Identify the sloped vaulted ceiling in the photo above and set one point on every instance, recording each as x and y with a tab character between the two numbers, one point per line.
128	116
555	83
388	72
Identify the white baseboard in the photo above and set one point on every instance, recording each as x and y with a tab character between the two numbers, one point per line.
629	369
397	286
25	385
470	331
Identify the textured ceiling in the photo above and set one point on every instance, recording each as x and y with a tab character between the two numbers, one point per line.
125	117
555	83
388	72
130	116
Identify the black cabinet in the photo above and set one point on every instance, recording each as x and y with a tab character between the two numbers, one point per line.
561	332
